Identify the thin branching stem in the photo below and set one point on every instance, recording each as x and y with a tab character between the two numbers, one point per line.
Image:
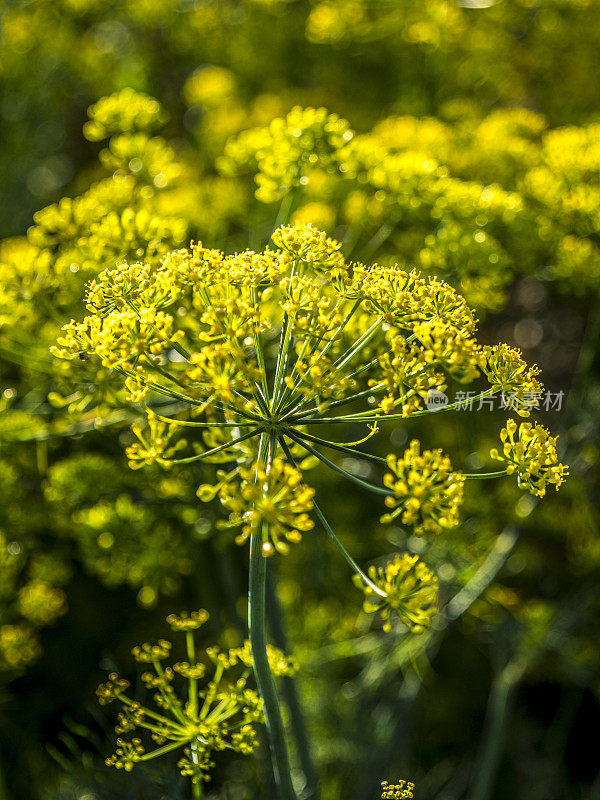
371	487
214	450
383	417
329	531
260	354
339	330
342	448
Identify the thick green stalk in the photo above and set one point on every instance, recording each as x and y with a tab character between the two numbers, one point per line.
257	626
276	621
197	792
262	670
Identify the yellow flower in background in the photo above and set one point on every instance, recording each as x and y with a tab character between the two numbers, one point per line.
202	705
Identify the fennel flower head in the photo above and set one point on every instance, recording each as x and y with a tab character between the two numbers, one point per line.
201	706
240	361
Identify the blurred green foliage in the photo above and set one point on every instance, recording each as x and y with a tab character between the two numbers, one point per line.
476	156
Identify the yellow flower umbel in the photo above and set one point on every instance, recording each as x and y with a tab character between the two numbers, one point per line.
277	499
510	375
407	587
255	351
217	712
532	455
403	790
427	493
286	152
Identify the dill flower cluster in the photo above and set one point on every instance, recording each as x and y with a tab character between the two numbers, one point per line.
427	493
403	790
407	588
508	374
285	152
277	499
256	351
217	710
532	455
476	201
122	112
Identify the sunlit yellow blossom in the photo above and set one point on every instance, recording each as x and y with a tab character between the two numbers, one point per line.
188	622
321	215
19	646
409	589
126	110
209	86
288	149
510	375
532	455
427	492
310	245
397	791
275	504
41	603
257	350
154	443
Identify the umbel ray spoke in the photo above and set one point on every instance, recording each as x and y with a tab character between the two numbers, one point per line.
329	531
348	448
215	450
359	481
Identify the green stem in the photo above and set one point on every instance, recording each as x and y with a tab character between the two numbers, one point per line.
197	793
260	355
345	448
286	208
165	390
193	682
262	670
162	750
177	729
360	343
285	340
214	450
288	396
191	424
382	417
329	531
481	476
485	574
290	693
